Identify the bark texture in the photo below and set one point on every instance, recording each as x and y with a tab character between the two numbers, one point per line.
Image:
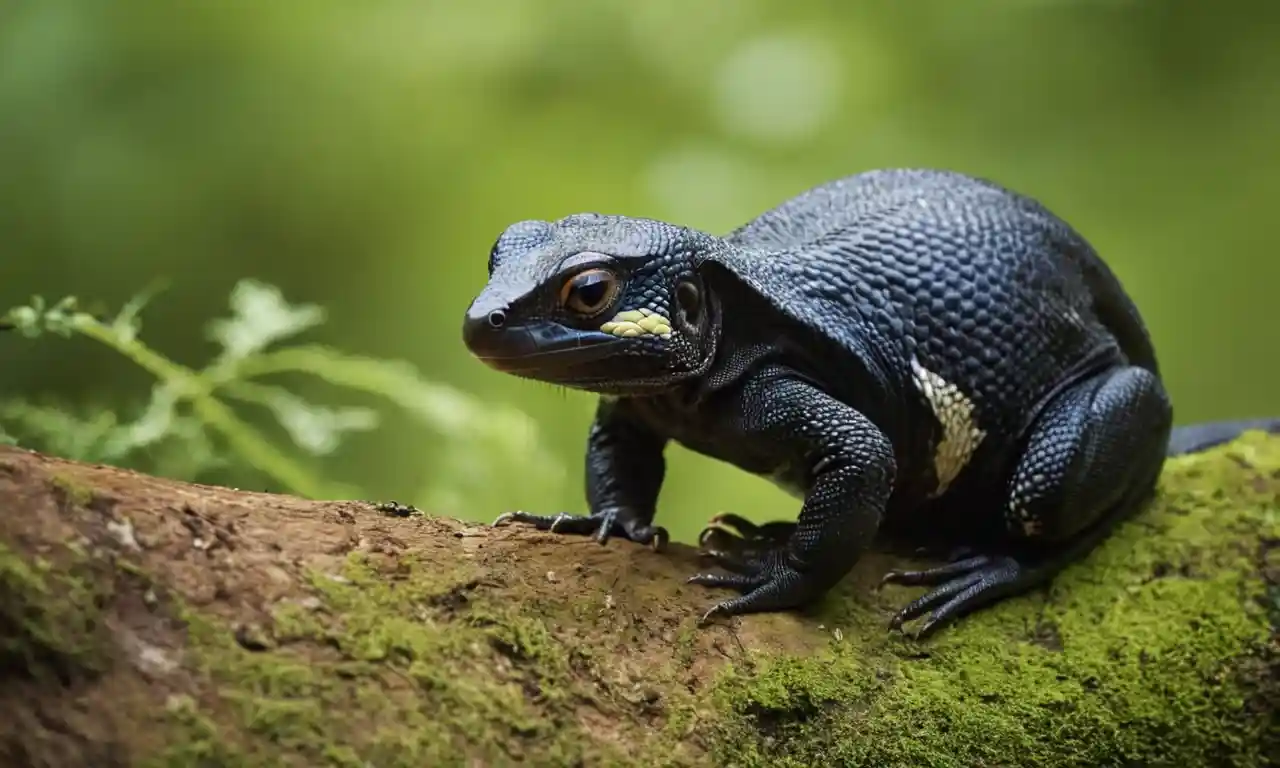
151	622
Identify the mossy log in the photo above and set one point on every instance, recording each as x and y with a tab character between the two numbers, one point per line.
151	622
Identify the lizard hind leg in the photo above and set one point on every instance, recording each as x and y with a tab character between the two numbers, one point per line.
1092	459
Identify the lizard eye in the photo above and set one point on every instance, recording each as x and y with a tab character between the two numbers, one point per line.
589	292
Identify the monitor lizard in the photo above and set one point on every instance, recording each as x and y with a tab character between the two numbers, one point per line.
927	359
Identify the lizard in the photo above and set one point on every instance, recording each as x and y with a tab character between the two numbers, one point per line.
930	361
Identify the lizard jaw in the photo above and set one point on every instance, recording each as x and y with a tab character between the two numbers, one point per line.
536	348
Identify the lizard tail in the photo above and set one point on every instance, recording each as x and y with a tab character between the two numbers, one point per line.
1194	438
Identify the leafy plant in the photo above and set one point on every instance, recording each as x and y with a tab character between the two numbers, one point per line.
189	426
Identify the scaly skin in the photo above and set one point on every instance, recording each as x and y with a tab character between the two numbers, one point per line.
928	360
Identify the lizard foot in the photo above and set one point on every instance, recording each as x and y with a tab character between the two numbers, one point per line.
757	561
734	542
601	526
766	584
959	561
959	587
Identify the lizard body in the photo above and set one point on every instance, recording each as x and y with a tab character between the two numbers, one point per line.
927	359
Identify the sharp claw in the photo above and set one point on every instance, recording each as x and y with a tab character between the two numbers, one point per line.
965	585
714	611
601	527
737	522
606	528
715	527
936	575
901	578
926	629
718	518
659	540
783	589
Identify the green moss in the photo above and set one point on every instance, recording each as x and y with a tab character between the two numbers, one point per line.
50	618
72	490
386	671
194	741
1136	656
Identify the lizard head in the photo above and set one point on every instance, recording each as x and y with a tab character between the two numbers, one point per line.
607	304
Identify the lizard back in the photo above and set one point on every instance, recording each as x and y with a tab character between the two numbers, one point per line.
976	298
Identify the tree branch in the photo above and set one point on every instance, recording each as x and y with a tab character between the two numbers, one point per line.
150	622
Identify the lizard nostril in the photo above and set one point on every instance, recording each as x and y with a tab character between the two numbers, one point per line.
497	318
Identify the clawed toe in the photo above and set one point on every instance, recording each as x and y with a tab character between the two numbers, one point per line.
656	537
961	587
600	526
932	598
756	557
741	555
739	545
777	588
727	525
745	568
725	580
541	522
937	575
733	560
559	523
765	579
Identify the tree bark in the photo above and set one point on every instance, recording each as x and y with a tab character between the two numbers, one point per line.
146	621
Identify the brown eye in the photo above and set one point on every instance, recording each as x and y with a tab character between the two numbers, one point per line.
590	292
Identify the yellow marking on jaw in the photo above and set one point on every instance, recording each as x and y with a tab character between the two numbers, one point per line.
638	322
960	433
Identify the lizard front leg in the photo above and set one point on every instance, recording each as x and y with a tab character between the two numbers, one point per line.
624	472
850	470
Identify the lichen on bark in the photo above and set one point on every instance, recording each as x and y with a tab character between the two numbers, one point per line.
219	628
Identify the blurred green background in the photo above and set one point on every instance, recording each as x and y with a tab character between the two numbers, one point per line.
364	156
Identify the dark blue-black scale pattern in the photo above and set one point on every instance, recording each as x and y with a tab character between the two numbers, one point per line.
797	362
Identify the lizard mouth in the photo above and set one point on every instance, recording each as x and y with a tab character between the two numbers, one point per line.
542	347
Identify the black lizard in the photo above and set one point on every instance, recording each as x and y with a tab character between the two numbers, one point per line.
928	359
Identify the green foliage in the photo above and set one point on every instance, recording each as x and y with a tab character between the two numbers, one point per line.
188	426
